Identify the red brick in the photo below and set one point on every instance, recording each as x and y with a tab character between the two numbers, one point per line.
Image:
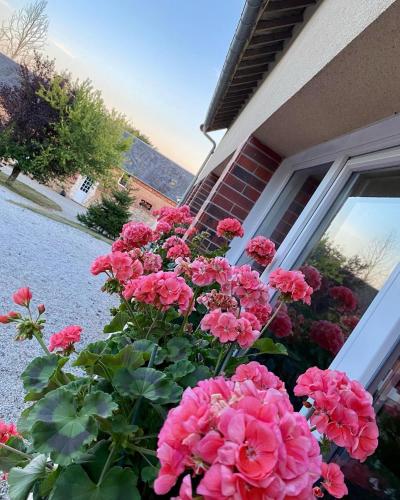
265	149
222	202
247	163
239	212
251	193
234	182
248	177
264	174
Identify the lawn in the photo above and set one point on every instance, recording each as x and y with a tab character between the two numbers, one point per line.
29	193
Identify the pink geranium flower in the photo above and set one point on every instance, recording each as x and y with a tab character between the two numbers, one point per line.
22	297
7	318
333	480
291	284
346	299
152	262
65	339
312	276
119	246
327	335
260	375
242	438
261	249
121	265
174	215
342	410
229	228
101	264
136	234
7	431
281	326
261	311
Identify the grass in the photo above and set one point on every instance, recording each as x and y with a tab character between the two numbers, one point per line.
62	220
29	193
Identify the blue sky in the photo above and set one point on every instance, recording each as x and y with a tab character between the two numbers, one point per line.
156	61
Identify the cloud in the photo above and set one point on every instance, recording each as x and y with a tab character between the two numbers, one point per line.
61	47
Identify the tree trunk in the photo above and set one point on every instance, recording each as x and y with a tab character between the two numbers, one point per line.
14	174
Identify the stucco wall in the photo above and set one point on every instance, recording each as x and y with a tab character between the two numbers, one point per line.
333	25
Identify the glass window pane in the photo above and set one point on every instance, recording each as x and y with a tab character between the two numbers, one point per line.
346	262
289	206
379	476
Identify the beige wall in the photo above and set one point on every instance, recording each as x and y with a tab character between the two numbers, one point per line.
331	28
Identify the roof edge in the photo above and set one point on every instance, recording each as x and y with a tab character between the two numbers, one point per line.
250	13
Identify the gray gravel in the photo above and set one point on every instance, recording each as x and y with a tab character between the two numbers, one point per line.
53	259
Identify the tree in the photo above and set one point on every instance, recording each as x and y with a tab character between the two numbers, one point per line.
26	31
89	139
52	128
26	119
109	215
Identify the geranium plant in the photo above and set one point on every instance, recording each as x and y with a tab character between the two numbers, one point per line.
173	402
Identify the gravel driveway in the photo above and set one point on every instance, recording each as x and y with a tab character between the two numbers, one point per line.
53	259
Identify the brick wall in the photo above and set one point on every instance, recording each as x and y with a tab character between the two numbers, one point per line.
236	190
200	192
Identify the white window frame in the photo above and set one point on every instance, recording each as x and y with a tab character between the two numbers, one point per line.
377	136
377	146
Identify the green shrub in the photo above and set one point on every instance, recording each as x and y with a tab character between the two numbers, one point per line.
109	215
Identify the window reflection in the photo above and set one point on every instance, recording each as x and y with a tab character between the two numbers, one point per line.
285	212
379	476
347	262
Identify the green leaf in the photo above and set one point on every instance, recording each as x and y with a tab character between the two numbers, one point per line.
91	354
149	474
48	482
8	459
178	348
148	383
268	346
106	364
21	481
36	375
180	369
74	483
200	373
59	428
117	323
98	403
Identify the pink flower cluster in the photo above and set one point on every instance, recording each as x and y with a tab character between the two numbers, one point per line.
261	311
291	284
65	339
345	297
248	287
162	290
152	262
217	300
174	215
227	327
261	249
136	235
204	271
342	410
7	431
10	316
281	326
122	266
327	335
242	437
312	276
176	248
333	480
22	297
229	228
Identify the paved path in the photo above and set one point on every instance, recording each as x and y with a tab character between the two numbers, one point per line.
70	208
53	259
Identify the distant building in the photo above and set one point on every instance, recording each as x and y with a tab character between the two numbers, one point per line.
155	180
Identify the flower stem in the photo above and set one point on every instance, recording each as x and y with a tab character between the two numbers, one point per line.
217	365
138	402
42	344
271	319
107	464
228	355
17	452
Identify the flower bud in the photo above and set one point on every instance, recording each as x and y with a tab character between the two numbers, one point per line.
41	308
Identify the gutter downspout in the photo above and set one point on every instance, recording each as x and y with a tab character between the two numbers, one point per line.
214	145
